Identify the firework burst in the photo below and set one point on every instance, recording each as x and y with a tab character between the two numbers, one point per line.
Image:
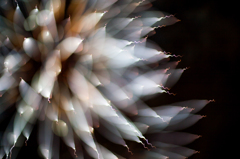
82	66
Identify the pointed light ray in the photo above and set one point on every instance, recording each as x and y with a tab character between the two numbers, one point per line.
170	154
140	52
20	122
144	110
96	46
112	134
144	85
103	4
27	131
169	111
150	20
154	54
81	128
53	63
30	23
57	7
65	50
153	18
47	38
185	122
51	25
32	120
122	59
145	31
154	124
106	154
77	115
176	138
126	10
6	82
52	112
177	119
78	85
121	23
88	22
29	95
141	127
93	152
135	35
12	62
118	94
175	148
45	141
98	39
197	105
66	103
48	74
9	139
18	25
86	102
69	139
87	63
108	47
8	43
174	76
31	49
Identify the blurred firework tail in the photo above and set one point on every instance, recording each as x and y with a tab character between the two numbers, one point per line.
83	66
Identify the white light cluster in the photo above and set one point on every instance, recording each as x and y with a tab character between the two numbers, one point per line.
94	68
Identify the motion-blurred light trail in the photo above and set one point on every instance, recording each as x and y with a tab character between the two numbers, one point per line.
77	67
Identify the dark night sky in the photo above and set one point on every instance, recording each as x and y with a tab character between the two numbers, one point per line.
208	37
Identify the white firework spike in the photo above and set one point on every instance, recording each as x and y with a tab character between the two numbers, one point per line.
80	66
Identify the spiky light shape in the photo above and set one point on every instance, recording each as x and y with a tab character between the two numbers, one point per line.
75	65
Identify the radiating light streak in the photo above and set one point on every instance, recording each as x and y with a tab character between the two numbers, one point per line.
87	65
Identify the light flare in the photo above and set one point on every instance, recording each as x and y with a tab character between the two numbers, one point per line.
81	67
